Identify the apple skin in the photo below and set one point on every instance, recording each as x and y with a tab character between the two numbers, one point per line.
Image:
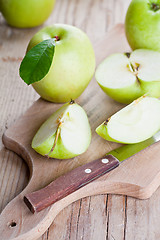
142	25
73	63
60	152
129	94
102	131
125	95
26	14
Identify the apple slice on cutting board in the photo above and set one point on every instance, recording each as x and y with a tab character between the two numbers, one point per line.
127	76
65	134
135	123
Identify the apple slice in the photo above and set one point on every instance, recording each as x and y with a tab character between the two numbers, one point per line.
135	123
127	76
65	134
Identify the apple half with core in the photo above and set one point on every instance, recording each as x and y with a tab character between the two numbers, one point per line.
73	63
127	76
65	134
142	24
135	123
26	13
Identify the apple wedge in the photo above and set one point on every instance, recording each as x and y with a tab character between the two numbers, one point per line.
127	76
65	134
135	123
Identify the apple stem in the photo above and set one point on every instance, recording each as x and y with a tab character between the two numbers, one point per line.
56	139
128	54
57	38
72	101
155	7
105	123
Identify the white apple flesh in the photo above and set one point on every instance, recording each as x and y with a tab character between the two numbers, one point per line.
65	134
125	77
135	123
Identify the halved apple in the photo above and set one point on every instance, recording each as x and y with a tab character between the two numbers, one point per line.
65	134
127	76
135	123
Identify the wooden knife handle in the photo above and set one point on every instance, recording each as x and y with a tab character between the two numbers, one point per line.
69	183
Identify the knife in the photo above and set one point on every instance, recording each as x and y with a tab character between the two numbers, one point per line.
81	176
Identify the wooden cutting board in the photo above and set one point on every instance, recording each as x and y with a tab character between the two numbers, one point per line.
139	176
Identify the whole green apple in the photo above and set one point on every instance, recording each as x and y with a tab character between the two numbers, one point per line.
142	24
26	13
73	63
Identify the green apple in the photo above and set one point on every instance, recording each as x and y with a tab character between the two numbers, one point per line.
73	63
135	123
142	24
127	76
26	13
65	134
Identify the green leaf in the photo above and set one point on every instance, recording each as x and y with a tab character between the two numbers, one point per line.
37	62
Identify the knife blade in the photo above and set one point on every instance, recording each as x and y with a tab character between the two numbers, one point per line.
124	152
81	176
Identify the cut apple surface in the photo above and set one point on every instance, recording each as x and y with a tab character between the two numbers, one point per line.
65	134
127	76
135	123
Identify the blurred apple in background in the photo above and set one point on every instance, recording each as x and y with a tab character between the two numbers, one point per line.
26	13
142	24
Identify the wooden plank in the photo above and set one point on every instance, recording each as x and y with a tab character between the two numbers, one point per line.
144	217
81	222
116	212
13	176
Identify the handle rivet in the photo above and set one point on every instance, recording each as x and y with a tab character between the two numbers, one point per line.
105	160
88	170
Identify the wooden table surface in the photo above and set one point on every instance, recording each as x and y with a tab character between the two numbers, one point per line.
93	218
